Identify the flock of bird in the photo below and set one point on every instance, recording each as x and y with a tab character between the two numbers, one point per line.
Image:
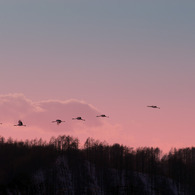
58	121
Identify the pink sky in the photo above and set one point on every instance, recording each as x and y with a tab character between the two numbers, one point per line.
66	58
151	127
38	117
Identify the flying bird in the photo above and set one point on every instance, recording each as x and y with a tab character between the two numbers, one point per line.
154	107
78	118
102	115
57	121
20	123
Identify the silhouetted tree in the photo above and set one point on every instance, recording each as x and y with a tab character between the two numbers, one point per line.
19	160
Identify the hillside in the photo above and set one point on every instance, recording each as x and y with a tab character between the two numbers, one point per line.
60	166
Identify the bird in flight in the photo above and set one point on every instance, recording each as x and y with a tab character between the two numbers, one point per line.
57	121
102	115
20	123
154	107
78	118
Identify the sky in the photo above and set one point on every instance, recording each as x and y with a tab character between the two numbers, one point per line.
63	59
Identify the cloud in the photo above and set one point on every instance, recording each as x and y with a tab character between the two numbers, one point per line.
17	106
38	116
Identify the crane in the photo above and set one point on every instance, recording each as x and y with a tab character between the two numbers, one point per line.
57	121
78	118
154	107
20	123
102	115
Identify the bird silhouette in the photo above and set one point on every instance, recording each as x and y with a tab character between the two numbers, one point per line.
154	107
20	123
78	118
57	121
102	115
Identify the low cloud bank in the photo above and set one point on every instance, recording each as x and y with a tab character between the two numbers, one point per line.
38	116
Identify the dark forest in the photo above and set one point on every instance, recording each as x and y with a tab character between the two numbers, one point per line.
19	160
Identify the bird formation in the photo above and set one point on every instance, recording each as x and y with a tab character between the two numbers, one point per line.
59	121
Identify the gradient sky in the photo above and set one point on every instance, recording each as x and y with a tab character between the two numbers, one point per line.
103	56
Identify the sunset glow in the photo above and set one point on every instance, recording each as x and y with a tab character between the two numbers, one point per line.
65	59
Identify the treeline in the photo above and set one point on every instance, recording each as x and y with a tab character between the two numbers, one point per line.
20	159
178	164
